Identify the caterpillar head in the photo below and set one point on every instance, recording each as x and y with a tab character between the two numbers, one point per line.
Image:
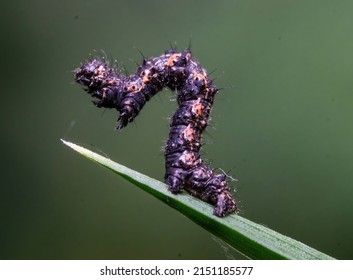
100	81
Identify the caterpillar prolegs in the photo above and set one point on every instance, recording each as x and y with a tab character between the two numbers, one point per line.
195	95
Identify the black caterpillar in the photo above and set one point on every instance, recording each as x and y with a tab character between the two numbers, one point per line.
195	95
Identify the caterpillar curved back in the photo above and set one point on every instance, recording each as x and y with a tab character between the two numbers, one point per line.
195	95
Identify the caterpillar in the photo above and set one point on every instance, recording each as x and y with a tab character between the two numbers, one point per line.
180	72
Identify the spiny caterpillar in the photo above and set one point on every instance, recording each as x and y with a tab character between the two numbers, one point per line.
195	95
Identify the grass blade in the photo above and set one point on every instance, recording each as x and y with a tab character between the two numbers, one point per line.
250	239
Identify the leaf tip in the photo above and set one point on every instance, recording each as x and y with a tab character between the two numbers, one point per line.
67	143
71	145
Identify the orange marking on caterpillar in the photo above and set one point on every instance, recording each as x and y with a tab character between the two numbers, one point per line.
172	59
196	108
189	133
199	76
188	160
135	88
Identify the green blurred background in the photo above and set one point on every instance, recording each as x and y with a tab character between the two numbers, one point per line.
282	125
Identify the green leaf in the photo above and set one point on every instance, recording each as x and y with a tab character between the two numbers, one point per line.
252	240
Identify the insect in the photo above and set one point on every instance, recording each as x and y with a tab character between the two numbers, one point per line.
180	72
